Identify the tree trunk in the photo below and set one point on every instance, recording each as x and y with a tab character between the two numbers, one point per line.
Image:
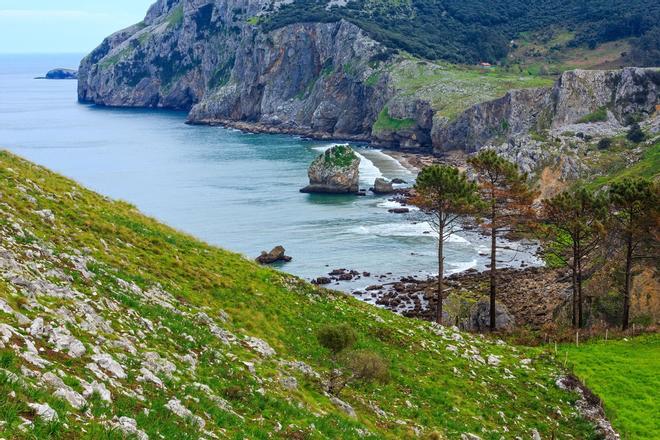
579	285
574	299
441	273
493	268
628	284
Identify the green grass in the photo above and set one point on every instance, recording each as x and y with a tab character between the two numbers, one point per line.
339	156
599	115
624	374
452	89
385	122
614	168
175	19
431	387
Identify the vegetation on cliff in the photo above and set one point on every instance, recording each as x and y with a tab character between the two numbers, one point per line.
472	31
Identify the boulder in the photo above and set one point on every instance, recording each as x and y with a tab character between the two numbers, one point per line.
336	171
480	317
382	186
62	74
275	255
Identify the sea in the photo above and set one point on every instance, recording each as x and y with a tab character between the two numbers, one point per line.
236	190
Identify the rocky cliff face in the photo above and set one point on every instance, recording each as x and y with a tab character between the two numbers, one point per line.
330	80
206	55
574	97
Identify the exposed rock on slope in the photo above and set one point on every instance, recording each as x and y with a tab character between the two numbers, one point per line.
183	340
576	95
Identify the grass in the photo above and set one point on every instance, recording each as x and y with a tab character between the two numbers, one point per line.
385	122
624	374
340	156
599	115
175	19
615	168
452	89
432	388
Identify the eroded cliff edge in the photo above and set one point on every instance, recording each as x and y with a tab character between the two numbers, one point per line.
332	81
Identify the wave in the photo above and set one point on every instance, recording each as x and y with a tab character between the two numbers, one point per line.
391	204
461	266
368	171
421	229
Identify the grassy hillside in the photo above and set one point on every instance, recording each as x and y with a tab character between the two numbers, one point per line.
120	324
624	374
469	31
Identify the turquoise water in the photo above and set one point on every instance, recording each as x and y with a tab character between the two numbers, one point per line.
236	190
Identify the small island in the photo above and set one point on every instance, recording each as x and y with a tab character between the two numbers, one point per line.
60	73
336	171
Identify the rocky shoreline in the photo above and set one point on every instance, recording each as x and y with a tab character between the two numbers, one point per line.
532	297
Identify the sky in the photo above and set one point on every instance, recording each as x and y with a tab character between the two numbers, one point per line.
64	26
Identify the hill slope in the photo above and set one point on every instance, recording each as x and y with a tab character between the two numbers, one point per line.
120	324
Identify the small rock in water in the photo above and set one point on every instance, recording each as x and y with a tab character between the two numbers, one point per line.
277	254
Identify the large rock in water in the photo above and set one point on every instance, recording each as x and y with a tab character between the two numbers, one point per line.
382	186
480	317
336	171
62	74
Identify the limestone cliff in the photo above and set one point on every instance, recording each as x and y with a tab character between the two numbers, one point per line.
207	56
331	80
576	95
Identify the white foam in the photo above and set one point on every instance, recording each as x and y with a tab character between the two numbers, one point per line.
368	171
421	229
391	204
462	266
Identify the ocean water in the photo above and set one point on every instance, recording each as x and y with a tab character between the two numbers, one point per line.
236	190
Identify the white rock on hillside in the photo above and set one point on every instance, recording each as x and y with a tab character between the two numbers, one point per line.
106	362
260	346
177	408
129	427
345	407
45	412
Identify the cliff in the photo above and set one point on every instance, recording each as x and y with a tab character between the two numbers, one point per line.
331	80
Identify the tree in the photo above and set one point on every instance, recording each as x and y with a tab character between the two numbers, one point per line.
637	217
575	221
508	203
635	133
446	194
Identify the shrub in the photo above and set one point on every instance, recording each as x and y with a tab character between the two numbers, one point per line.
604	143
635	134
336	338
369	366
599	115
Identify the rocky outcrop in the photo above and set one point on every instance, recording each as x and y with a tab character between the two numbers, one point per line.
382	186
61	74
575	96
277	254
208	56
336	171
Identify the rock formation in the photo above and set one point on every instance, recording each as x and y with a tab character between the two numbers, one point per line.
331	80
336	171
277	254
61	74
382	186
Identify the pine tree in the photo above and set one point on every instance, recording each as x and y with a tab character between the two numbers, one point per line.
508	203
637	220
575	227
446	194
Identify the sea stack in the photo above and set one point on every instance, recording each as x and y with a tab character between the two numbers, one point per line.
336	171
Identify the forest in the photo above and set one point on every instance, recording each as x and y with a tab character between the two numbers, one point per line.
471	31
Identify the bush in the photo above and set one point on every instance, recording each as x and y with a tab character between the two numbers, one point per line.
336	338
635	134
604	143
369	366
